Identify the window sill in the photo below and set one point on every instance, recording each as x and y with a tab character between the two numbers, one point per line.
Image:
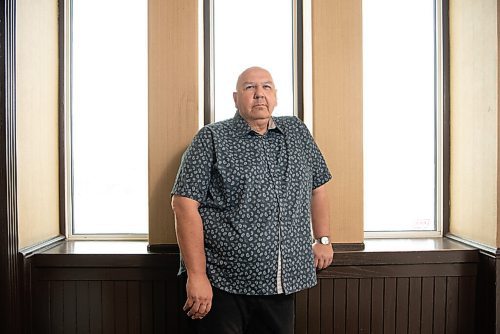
136	254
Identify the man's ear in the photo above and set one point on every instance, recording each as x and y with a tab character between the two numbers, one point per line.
235	98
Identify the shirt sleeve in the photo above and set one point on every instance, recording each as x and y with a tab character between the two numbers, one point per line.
321	174
193	177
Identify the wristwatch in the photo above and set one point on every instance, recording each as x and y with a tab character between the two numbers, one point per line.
323	240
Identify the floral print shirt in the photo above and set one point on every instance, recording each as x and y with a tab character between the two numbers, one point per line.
255	202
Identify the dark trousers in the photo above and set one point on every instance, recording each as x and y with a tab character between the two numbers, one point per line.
243	314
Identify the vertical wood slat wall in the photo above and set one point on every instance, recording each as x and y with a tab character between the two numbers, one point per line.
148	306
387	305
173	104
338	110
419	298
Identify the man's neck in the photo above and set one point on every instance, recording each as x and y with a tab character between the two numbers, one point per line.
259	125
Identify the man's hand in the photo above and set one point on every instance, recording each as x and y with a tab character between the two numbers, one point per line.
199	296
323	255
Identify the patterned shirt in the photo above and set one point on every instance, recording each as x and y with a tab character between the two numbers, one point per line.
255	197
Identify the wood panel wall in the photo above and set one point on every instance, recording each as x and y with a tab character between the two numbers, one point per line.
37	120
337	110
474	120
10	271
409	292
173	104
356	305
425	299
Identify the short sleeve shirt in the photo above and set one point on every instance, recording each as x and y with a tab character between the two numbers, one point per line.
255	201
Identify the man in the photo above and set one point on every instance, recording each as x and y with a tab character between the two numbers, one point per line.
246	194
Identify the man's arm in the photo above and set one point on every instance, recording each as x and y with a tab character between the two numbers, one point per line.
320	216
189	229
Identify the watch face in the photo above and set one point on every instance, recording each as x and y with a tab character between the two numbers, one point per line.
324	240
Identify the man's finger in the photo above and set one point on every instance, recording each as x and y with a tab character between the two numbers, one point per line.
202	310
188	304
194	309
209	307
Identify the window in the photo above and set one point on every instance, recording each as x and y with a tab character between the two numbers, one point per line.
244	34
402	108
107	117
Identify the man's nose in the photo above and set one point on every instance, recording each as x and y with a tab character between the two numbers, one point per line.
259	92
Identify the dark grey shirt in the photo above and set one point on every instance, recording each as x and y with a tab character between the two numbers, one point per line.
255	197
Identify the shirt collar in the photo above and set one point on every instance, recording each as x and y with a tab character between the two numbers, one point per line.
243	127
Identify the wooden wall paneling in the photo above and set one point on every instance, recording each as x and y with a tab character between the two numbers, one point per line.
452	305
411	270
377	307
98	273
83	307
497	291
134	307
344	301
301	302
390	305
56	307
159	307
427	304
173	103
415	305
339	305
96	306
352	306
120	301
439	305
108	306
365	302
183	324
147	316
337	114
10	275
466	304
69	306
402	293
172	303
41	303
314	310
326	307
26	292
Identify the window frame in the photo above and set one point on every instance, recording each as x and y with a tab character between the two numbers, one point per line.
65	135
302	61
441	133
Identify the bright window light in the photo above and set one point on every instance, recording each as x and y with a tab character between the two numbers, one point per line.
252	33
109	115
399	103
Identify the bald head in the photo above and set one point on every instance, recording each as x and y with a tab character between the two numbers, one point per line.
248	72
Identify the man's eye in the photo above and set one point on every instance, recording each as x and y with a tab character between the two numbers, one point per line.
249	87
267	86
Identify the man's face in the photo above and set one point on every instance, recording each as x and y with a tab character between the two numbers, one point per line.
255	96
